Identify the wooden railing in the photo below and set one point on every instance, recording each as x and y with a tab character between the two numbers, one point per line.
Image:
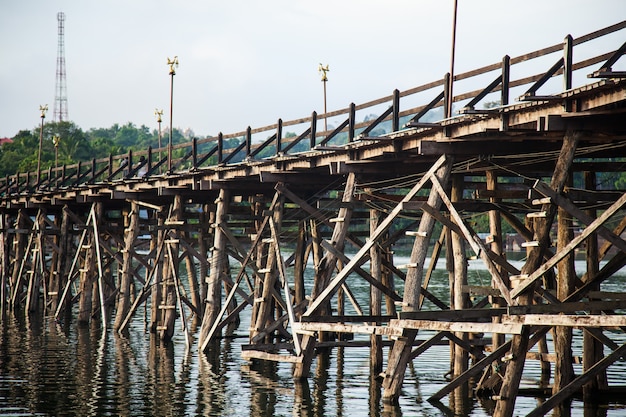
207	153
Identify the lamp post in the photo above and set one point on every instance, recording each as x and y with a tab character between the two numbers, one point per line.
43	110
323	70
56	140
158	113
451	82
171	63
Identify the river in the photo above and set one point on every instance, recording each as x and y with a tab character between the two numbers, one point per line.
61	369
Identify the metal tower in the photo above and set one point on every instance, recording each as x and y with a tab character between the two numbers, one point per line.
60	99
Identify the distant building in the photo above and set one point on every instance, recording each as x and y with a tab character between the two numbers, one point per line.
5	140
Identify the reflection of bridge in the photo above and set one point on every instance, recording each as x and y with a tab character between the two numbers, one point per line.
78	236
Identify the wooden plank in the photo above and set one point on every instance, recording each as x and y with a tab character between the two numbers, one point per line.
567	307
593	226
456	315
594	320
306	327
466	327
274	357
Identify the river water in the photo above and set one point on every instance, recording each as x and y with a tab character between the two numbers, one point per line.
61	369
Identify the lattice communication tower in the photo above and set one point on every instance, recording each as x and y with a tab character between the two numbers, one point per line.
60	97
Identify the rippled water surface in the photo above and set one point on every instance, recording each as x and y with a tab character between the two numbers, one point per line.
49	368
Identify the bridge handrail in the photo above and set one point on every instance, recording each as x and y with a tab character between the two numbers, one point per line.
73	175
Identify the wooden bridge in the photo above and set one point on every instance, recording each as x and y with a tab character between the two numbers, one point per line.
208	231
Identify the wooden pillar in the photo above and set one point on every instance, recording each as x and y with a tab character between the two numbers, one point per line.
266	301
213	302
401	351
157	241
169	293
87	281
202	248
192	280
327	268
495	231
460	298
131	231
563	368
261	253
300	264
4	264
519	345
376	341
593	349
19	241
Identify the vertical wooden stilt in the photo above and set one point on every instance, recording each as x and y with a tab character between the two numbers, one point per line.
131	231
593	349
510	384
19	242
495	231
214	291
376	341
86	286
460	298
563	369
4	264
300	264
169	301
401	351
157	241
327	268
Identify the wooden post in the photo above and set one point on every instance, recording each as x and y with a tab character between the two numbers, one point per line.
460	298
401	351
510	384
563	368
300	264
4	264
213	301
86	286
169	292
192	279
19	241
327	268
376	341
131	231
157	241
266	302
593	349
495	231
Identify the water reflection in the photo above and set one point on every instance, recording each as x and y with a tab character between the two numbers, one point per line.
49	368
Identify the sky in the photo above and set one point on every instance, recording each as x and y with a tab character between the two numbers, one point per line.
247	63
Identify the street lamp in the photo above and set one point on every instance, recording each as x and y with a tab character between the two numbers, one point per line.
451	82
43	110
171	63
158	113
323	70
56	140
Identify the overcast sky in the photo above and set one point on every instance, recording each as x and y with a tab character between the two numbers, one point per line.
245	62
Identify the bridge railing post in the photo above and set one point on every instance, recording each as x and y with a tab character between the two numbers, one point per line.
313	130
351	122
396	111
279	137
149	162
194	153
568	48
220	148
447	104
248	140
